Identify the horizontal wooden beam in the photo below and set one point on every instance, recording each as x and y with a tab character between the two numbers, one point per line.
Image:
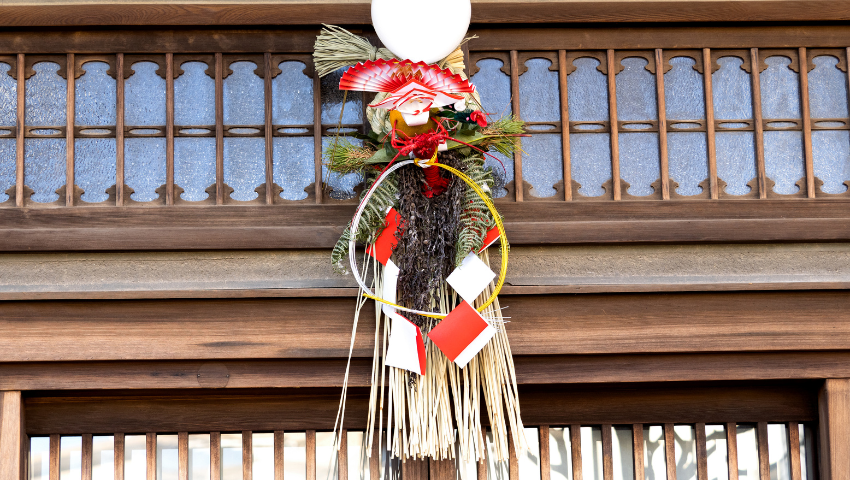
357	12
329	373
302	409
320	328
301	39
303	226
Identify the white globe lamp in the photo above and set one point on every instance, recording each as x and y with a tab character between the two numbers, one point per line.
421	30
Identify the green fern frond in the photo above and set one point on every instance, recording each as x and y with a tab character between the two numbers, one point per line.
475	219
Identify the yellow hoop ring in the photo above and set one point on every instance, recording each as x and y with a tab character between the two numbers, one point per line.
504	246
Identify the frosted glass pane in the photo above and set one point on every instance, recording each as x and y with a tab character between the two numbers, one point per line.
636	91
688	160
341	186
144	96
39	462
736	160
831	154
639	162
748	453
539	95
622	453
166	457
231	456
560	454
591	453
8	96
684	93
778	452
44	167
732	90
494	87
244	96
326	460
495	470
199	457
135	457
716	451
783	160
685	452
262	456
194	167
529	462
71	458
46	93
8	149
827	88
292	95
654	457
295	456
588	92
194	96
780	89
590	165
94	167
244	166
542	164
358	462
807	452
294	166
502	171
144	167
332	98
95	96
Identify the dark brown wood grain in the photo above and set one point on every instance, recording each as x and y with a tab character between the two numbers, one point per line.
702	453
247	455
169	129
575	450
342	456
758	123
637	451
834	428
118	438
545	458
763	453
150	456
215	455
612	115
219	129
711	144
732	448
513	461
311	454
119	131
607	452
183	456
269	131
278	454
516	109
20	118
662	123
794	450
86	457
670	451
70	104
807	122
54	456
318	185
13	439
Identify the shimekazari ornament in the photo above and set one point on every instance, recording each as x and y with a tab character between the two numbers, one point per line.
426	218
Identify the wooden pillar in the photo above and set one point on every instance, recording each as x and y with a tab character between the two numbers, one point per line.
12	437
834	412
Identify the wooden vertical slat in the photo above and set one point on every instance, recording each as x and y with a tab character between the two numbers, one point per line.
565	124
69	131
612	116
807	122
13	437
732	449
86	457
513	461
118	452
311	455
637	450
670	450
183	456
219	129
119	130
317	134
215	455
278	455
55	457
702	452
834	413
545	466
757	122
482	464
764	458
794	450
343	455
662	124
575	450
247	455
150	445
21	119
607	452
515	106
169	129
375	460
711	141
269	130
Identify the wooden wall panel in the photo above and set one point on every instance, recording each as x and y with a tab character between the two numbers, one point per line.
319	328
834	448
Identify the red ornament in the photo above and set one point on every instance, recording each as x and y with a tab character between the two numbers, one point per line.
479	118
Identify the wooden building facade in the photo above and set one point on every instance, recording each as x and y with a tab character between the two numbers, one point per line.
679	220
